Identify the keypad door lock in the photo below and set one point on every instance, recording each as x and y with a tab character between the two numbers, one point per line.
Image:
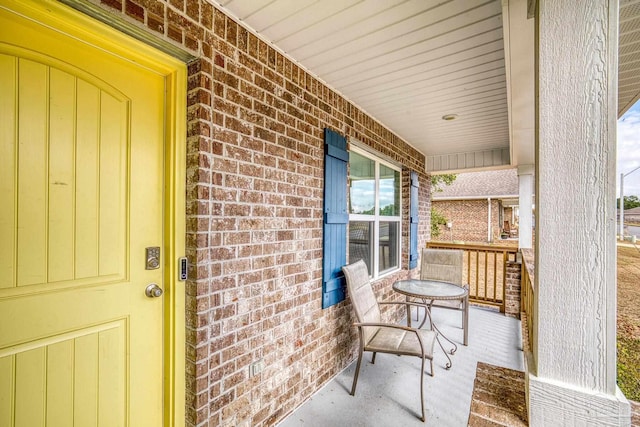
153	257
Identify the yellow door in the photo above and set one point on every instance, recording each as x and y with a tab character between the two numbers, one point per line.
81	197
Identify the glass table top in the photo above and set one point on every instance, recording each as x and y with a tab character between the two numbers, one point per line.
429	289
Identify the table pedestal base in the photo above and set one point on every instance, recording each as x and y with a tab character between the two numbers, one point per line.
433	327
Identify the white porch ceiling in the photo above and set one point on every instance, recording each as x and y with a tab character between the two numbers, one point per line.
410	62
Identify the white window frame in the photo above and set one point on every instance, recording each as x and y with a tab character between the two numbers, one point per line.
377	218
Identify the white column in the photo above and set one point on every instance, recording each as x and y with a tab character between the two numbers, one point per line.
525	206
572	374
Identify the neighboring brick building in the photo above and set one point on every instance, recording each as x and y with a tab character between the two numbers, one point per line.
478	206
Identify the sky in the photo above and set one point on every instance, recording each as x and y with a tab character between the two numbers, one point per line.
629	151
363	194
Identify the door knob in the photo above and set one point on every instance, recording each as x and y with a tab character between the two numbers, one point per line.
153	291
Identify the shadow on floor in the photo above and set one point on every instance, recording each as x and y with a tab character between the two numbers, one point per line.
388	392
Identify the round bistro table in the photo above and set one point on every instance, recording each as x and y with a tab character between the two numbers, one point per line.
428	291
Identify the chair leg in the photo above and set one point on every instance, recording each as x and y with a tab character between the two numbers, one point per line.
373	359
355	377
422	388
431	361
465	321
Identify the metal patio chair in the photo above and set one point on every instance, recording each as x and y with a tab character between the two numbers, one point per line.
444	265
380	337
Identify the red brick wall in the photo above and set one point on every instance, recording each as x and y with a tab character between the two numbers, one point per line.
469	219
254	217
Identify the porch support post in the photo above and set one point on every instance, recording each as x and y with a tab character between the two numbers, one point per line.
525	206
572	374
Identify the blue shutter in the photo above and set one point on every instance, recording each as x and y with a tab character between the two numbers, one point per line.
336	218
413	221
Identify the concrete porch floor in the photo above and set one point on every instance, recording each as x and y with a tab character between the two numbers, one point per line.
388	393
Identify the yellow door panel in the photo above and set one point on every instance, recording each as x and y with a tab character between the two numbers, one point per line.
61	179
81	184
71	180
29	387
111	388
31	144
48	372
85	404
7	172
112	190
7	389
60	373
87	149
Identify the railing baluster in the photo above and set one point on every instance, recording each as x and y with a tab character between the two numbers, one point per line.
495	275
477	272
527	298
505	259
486	289
468	268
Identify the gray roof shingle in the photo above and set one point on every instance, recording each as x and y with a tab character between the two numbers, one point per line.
498	183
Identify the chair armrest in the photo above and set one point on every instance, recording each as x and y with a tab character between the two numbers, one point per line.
385	325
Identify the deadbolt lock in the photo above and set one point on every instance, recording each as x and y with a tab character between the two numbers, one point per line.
153	257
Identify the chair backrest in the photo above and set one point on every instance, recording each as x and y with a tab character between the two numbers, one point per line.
442	264
362	297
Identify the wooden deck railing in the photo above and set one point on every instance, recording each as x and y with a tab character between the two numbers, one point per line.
527	299
485	270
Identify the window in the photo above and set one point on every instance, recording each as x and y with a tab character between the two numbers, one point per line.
374	212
